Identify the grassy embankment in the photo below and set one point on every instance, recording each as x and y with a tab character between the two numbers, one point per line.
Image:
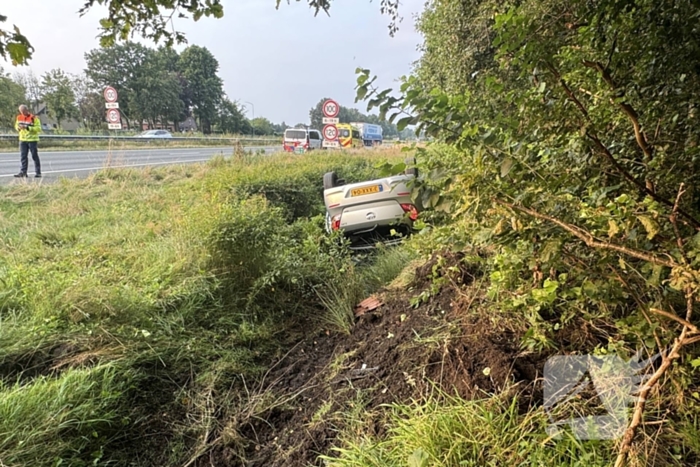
137	305
185	315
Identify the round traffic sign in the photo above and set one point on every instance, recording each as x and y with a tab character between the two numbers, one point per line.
110	94
330	132
113	116
330	108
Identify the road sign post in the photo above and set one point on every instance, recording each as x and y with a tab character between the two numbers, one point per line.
114	117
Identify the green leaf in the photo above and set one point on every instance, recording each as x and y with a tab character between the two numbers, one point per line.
419	458
650	225
361	93
403	123
506	166
613	229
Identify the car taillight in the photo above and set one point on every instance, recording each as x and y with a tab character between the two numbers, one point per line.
335	222
411	210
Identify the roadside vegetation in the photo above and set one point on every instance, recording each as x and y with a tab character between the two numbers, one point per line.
138	306
200	316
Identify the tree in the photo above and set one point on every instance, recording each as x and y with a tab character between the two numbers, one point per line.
151	20
230	118
262	126
199	68
58	94
158	89
280	127
32	87
571	150
122	67
11	97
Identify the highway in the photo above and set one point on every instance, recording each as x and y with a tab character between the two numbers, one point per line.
55	164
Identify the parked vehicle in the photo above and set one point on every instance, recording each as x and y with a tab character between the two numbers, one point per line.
371	135
156	134
367	212
348	137
303	138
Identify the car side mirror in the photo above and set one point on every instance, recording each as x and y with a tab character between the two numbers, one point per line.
340	182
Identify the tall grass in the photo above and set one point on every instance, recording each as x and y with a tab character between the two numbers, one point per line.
55	420
176	281
339	298
447	431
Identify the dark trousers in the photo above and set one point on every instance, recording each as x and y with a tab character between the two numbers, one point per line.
24	148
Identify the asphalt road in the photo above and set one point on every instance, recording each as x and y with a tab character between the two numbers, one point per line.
55	164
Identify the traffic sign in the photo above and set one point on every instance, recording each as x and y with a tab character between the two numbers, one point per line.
332	121
330	108
330	144
114	126
112	105
110	94
330	132
113	116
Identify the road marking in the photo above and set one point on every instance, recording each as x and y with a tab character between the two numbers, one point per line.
116	167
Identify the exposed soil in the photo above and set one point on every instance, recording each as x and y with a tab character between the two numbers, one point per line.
396	353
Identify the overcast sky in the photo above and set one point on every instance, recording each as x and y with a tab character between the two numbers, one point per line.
282	61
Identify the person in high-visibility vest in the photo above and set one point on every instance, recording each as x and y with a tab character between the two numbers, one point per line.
29	127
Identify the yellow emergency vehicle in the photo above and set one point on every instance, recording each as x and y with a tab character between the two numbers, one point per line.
348	136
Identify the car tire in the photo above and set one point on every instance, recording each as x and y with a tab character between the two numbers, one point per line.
330	180
411	170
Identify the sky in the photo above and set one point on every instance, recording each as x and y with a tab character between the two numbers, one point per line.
277	63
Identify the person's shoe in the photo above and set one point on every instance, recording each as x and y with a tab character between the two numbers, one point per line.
21	175
37	176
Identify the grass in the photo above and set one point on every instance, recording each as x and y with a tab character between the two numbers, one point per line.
446	431
340	298
137	293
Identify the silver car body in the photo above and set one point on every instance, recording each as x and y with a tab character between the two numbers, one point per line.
366	207
156	134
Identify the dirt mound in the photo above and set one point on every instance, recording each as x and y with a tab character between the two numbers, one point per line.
395	353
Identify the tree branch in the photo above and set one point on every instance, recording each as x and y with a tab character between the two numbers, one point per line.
589	239
626	108
666	361
568	90
693	329
628	176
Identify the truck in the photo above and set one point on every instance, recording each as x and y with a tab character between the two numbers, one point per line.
370	134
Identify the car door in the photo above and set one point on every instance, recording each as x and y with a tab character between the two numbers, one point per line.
314	139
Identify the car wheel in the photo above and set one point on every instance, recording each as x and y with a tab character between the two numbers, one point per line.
411	170
330	180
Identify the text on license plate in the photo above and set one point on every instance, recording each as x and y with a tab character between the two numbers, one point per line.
367	190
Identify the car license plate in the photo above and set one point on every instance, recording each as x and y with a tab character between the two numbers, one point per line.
367	190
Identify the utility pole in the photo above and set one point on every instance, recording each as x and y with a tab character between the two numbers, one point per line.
251	122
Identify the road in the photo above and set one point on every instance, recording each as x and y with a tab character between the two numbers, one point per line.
55	164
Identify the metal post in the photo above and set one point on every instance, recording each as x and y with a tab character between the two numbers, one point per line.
251	124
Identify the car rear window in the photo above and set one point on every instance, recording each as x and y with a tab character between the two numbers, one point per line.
295	134
344	133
